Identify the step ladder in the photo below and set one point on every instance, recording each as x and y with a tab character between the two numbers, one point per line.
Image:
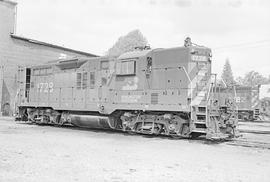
199	114
201	118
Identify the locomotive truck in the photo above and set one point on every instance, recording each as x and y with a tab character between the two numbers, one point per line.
149	91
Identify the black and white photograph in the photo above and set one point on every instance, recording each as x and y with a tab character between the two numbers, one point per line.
134	91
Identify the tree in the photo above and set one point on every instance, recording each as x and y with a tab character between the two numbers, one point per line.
252	79
127	43
239	81
227	74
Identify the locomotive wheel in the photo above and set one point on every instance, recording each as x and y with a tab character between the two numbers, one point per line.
195	135
57	121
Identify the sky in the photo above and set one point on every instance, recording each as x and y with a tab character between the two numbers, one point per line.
238	30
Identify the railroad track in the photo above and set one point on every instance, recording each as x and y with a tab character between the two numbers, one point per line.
243	142
247	142
257	121
255	131
251	144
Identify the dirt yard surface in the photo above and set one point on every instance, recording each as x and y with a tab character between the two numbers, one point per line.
31	153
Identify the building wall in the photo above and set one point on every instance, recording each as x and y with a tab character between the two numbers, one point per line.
15	52
7	19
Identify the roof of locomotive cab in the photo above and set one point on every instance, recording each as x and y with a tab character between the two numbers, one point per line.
183	47
140	53
134	54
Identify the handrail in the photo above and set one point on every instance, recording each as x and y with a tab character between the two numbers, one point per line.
208	94
191	92
235	95
190	82
224	82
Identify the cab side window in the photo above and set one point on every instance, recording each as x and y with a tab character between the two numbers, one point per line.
92	80
127	67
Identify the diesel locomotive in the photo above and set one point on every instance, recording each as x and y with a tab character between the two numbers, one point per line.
150	91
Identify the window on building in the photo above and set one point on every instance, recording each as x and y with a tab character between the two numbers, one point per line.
92	80
79	80
84	80
126	67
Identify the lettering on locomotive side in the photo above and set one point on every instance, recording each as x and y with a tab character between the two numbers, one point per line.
45	87
130	98
198	58
239	99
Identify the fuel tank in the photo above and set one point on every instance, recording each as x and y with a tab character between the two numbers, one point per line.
91	121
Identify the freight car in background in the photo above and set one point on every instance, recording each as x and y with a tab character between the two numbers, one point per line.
245	98
251	102
159	91
264	96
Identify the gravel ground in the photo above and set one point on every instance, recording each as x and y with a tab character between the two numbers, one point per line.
44	153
